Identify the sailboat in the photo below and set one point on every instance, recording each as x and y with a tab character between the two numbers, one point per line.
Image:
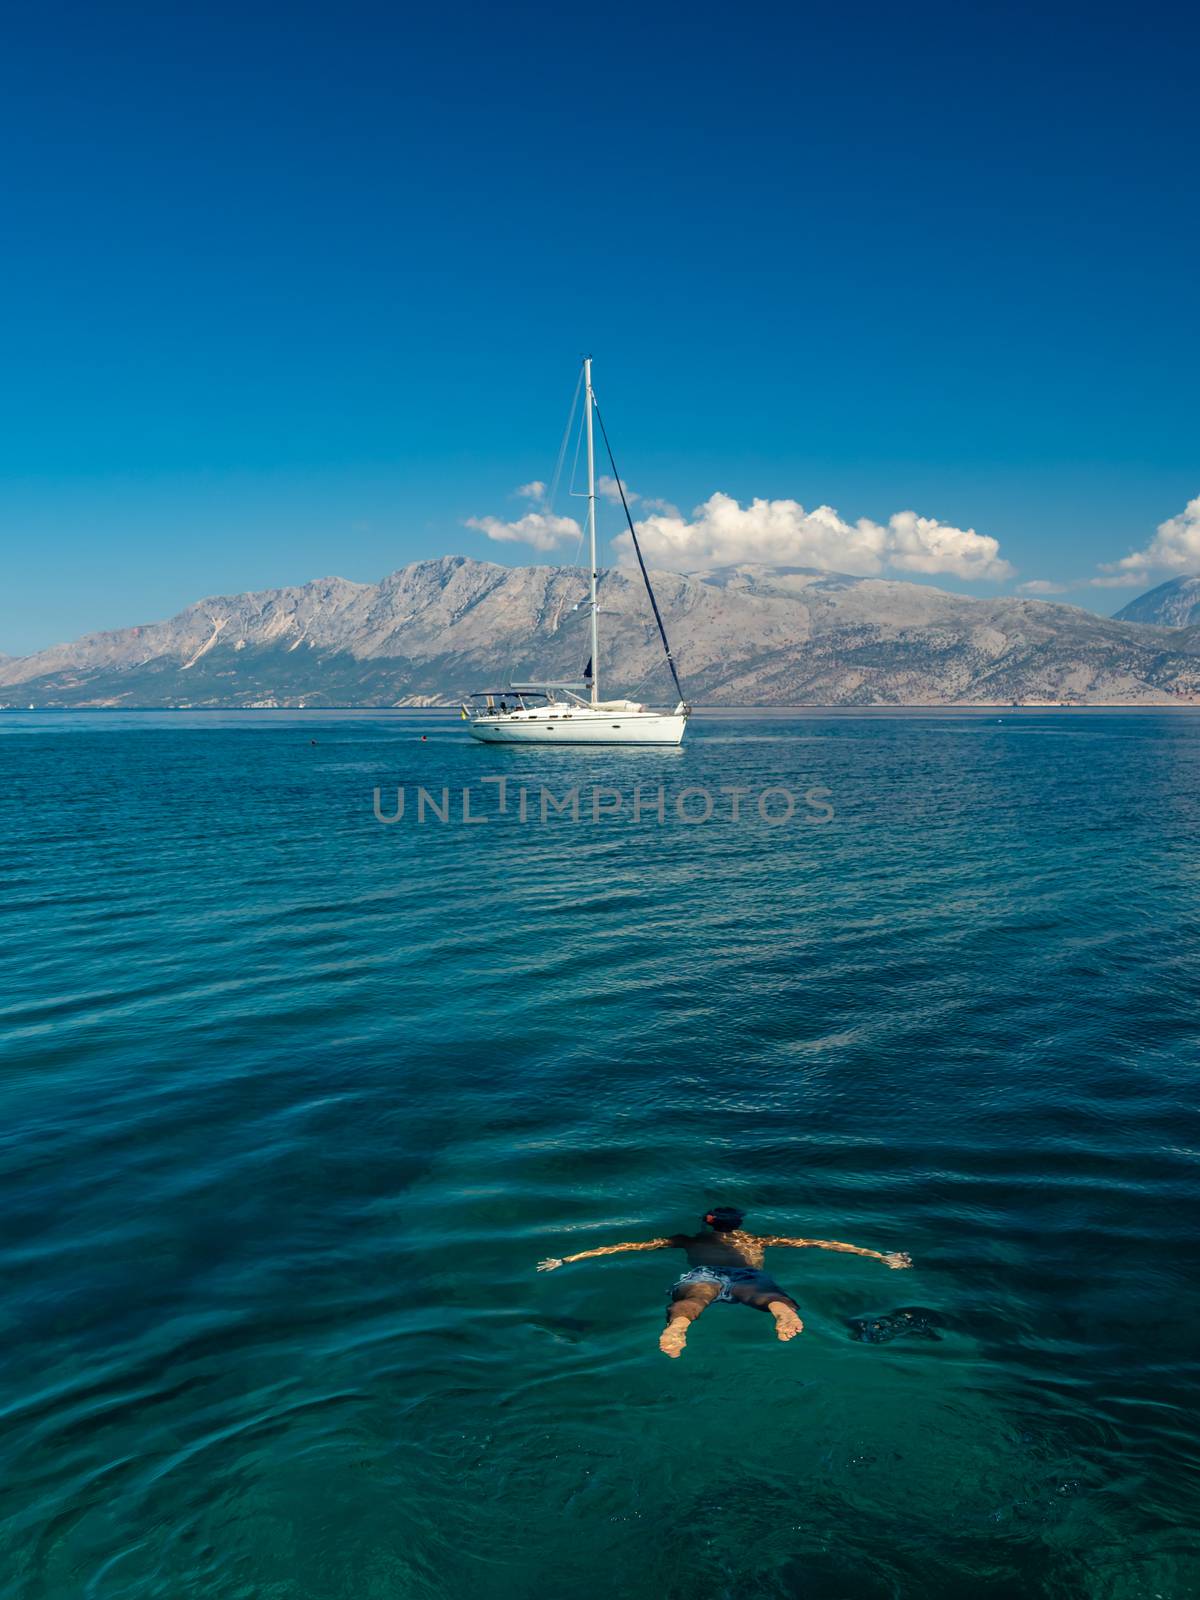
574	713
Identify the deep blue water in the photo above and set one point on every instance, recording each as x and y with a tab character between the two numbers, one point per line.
292	1102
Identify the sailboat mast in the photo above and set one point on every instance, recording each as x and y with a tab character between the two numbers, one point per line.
591	455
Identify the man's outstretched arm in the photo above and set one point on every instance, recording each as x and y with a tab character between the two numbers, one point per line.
551	1262
892	1258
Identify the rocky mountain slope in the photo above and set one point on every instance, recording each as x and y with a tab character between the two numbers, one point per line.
743	636
1174	604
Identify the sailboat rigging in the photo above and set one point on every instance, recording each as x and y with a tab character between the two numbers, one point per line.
558	713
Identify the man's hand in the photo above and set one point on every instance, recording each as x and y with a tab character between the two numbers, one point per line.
549	1264
898	1259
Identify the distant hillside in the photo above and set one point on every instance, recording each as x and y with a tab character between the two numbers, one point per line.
1174	604
744	636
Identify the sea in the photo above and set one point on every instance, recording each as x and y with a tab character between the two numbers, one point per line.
300	1082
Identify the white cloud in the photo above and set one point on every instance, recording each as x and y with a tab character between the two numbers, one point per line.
782	533
923	544
1041	586
1121	580
539	528
607	487
536	490
1174	548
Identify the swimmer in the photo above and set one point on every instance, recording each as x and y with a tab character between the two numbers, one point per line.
726	1263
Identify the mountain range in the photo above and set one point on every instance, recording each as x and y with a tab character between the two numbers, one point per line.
749	635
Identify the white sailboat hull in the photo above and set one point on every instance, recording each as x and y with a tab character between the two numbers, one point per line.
581	726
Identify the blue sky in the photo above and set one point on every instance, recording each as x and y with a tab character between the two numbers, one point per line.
293	291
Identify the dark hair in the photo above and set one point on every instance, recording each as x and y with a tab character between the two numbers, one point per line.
724	1218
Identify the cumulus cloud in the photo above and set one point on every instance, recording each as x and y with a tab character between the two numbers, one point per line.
721	532
1121	580
536	490
1041	586
923	544
1174	548
541	529
607	487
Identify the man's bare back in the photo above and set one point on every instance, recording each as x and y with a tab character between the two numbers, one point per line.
726	1263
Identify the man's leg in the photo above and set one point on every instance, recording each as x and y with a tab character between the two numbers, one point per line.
686	1305
770	1297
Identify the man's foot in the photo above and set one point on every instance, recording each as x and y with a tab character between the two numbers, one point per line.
787	1323
674	1337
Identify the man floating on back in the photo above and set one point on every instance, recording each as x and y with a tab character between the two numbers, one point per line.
726	1263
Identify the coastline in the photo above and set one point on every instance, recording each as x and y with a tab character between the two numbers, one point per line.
707	712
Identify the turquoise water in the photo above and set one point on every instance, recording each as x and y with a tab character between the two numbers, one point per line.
293	1101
